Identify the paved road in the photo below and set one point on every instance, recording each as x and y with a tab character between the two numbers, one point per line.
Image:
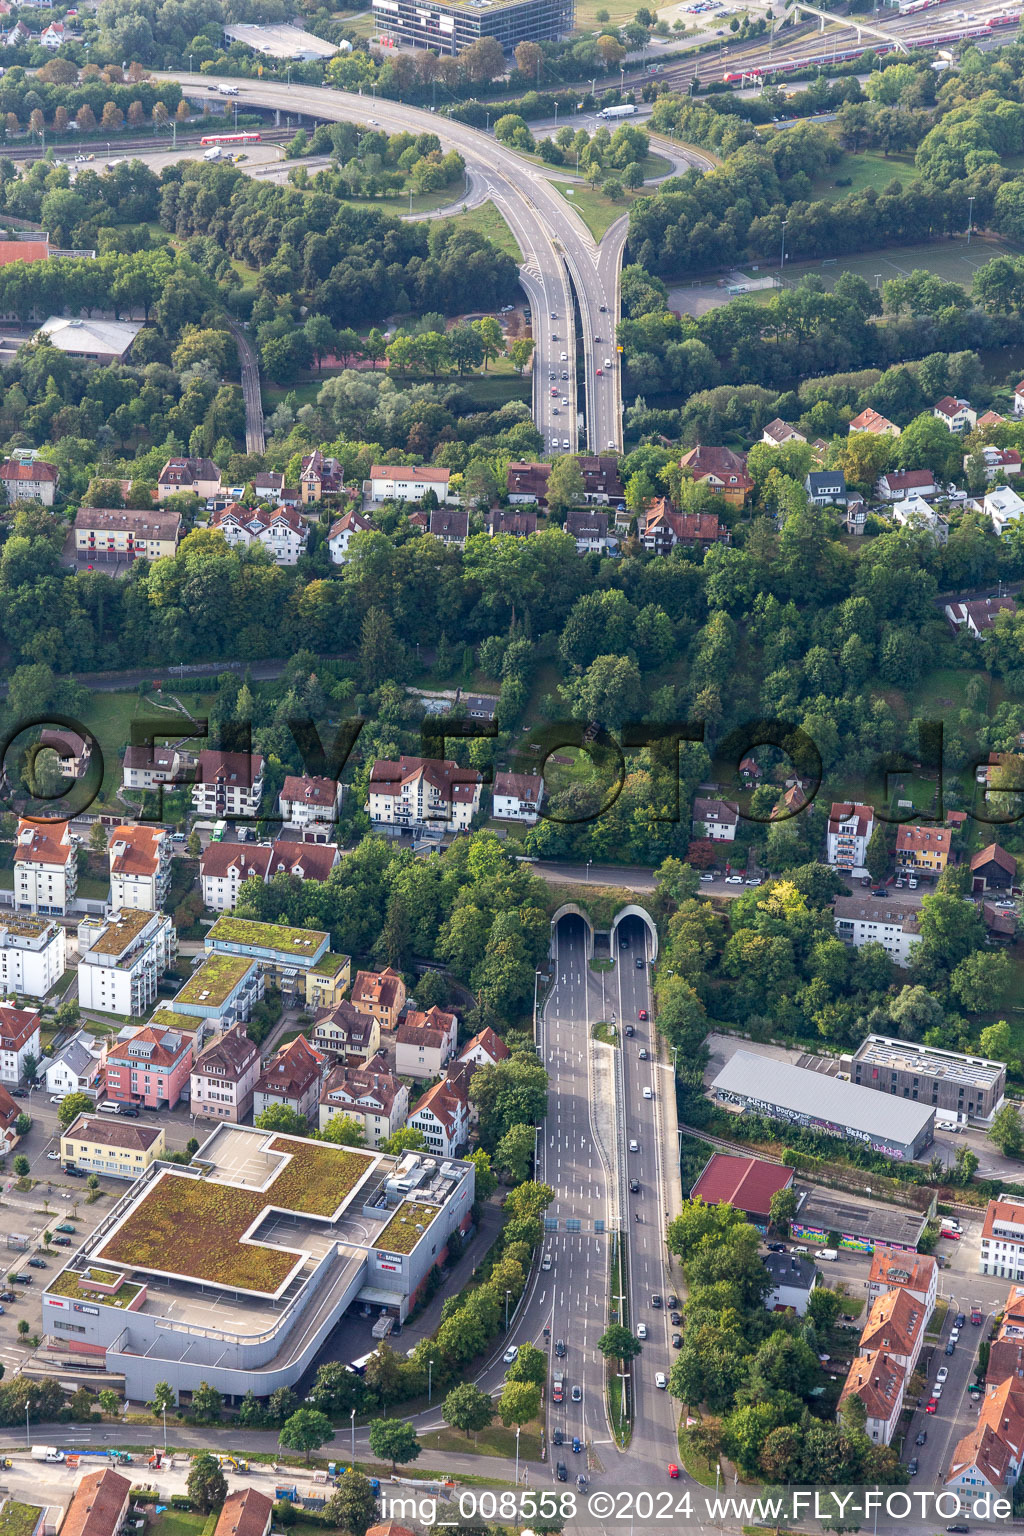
254	438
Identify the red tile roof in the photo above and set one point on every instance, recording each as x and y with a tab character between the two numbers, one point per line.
246	1512
135	850
16	1026
721	463
381	988
43	843
453	783
242	768
488	1041
427	472
993	854
37	470
227	1057
219	859
292	1071
169	1045
892	1267
744	1182
915	839
97	1504
447	1101
310	861
845	810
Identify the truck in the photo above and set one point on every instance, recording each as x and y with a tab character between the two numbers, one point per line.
46	1453
627	109
828	1254
557	1387
228	90
213	153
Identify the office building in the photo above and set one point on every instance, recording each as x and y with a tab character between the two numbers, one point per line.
957	1087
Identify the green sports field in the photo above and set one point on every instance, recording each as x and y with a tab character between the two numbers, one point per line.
953	259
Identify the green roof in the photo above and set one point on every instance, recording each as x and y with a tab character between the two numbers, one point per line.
279	936
214	980
67	1284
330	965
403	1231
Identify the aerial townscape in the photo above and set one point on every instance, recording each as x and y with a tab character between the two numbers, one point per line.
512	786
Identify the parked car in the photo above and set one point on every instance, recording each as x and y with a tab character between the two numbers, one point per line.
19	1093
61	1242
951	1346
961	1319
932	1405
776	1247
671	1301
37	1263
734	879
677	1341
912	1466
8	1295
675	1318
942	1373
706	879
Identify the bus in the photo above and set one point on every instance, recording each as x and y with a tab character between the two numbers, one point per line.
229	138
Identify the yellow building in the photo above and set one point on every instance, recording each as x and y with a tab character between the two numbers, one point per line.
113	1145
327	982
109	534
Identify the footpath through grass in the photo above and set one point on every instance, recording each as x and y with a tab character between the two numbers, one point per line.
495	1440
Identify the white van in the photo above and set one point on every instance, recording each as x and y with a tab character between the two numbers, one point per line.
108	1107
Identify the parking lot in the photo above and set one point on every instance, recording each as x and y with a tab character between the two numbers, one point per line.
956	1411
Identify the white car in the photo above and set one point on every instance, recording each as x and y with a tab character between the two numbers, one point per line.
565	399
754	880
634	1146
565	442
641	1330
611	443
57	1098
706	879
943	1373
937	1389
607	362
661	1381
734	879
546	1261
510	1354
54	1157
954	1335
648	1093
565	357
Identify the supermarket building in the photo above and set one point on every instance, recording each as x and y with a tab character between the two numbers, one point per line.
274	1236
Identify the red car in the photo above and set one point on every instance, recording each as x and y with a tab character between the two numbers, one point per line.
673	1470
954	1237
642	1015
932	1405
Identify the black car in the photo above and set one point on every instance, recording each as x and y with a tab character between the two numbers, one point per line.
557	1436
37	1263
8	1296
562	1472
677	1341
560	1348
630	1031
634	1186
675	1318
639	963
776	1247
912	1466
128	1112
22	1279
961	1319
922	1438
19	1093
671	1302
623	943
958	1530
950	1347
75	1173
64	1242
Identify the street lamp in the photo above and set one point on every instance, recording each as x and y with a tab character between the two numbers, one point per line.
28	1436
970	218
165	1426
190	63
352	1427
507	1295
589	862
487	129
782	261
518	1428
430	1378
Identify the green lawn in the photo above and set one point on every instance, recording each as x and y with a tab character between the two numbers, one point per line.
496	1440
954	260
175	1522
492	225
868	168
597	213
399	203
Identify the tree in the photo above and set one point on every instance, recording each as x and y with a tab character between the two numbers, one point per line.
617	1343
21	1166
206	1404
109	1401
306	1431
824	1307
877	857
565	484
344	1131
164	1397
995	1041
529	1365
383	1374
207	1486
1006	1131
23	1124
965	1166
74	1105
408	1139
352	1506
98	837
514	1152
782	1207
467	1408
278	1117
394	1440
519	1402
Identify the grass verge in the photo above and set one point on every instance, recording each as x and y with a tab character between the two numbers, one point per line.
692	1460
496	1440
619	1389
606	1033
490	223
597	213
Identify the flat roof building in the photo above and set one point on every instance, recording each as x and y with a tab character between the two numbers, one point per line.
234	1270
958	1087
765	1086
861	1225
451	25
283	42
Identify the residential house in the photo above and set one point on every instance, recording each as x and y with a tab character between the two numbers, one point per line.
450	525
282	531
327	982
977	617
717	819
745	1183
879	1381
989	1456
663	528
370	1094
826	487
872	421
53	36
245	1512
1002	1240
319	476
590	530
601	482
527	484
922	850
10	1111
442	1114
147	767
391	482
517	797
991	419
895	1323
99	1505
1001	922
33	955
957	415
1018	399
108	1145
309	805
140	867
45	867
897	1269
346	1031
423	793
425	1043
78	1066
19	1042
73	750
856	514
721	470
293	1079
151	1068
792	1280
223	1077
224	866
512	520
380	994
896	928
778	432
228	784
306	861
122	958
485	1049
18	35
1002	505
26	478
343	532
850	826
222	991
993	869
995	460
197	477
898	484
269	486
106	535
914	512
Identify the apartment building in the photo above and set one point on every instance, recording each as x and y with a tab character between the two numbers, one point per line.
345	1031
285	955
150	1068
224	867
122	958
959	1087
849	831
306	861
282	531
860	922
1002	1240
220	992
370	1094
107	535
425	1043
517	797
897	1269
716	819
380	994
26	478
19	1041
423	793
196	477
228	784
443	1116
33	955
309	805
293	1079
45	868
147	767
78	1067
880	1382
390	482
140	867
223	1077
923	850
895	1324
327	982
110	1146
